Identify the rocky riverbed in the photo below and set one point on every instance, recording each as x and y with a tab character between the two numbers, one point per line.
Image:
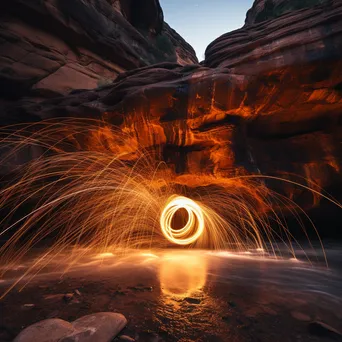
177	295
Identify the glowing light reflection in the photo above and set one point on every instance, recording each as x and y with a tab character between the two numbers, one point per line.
182	275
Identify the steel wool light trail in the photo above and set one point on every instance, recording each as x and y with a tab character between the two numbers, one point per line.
92	186
194	227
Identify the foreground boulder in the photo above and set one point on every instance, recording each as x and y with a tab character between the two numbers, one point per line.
99	327
47	330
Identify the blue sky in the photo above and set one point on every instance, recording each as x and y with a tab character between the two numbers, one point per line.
199	22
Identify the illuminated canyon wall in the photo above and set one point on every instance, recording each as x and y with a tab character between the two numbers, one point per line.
266	100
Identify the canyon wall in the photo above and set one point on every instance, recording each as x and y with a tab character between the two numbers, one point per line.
263	10
48	48
267	100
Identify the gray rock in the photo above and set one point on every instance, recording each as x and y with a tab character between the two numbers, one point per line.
49	330
99	327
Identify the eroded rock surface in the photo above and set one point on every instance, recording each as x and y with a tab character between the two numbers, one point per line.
295	38
263	10
51	47
209	122
267	101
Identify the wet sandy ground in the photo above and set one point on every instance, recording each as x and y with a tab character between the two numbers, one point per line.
176	295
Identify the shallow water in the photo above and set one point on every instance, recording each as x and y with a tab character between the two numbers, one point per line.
174	295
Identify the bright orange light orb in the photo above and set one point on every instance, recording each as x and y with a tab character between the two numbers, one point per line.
194	227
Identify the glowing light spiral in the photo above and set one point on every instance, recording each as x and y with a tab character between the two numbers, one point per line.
194	227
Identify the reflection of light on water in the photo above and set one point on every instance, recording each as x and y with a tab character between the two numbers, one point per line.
150	255
244	255
253	255
103	256
181	275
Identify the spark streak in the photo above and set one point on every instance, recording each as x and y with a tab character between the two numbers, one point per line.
103	192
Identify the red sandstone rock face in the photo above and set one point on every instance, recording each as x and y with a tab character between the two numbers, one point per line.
298	37
268	100
263	10
51	47
210	123
146	15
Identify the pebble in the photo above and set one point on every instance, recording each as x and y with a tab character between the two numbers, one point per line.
77	292
192	300
141	288
68	297
125	338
